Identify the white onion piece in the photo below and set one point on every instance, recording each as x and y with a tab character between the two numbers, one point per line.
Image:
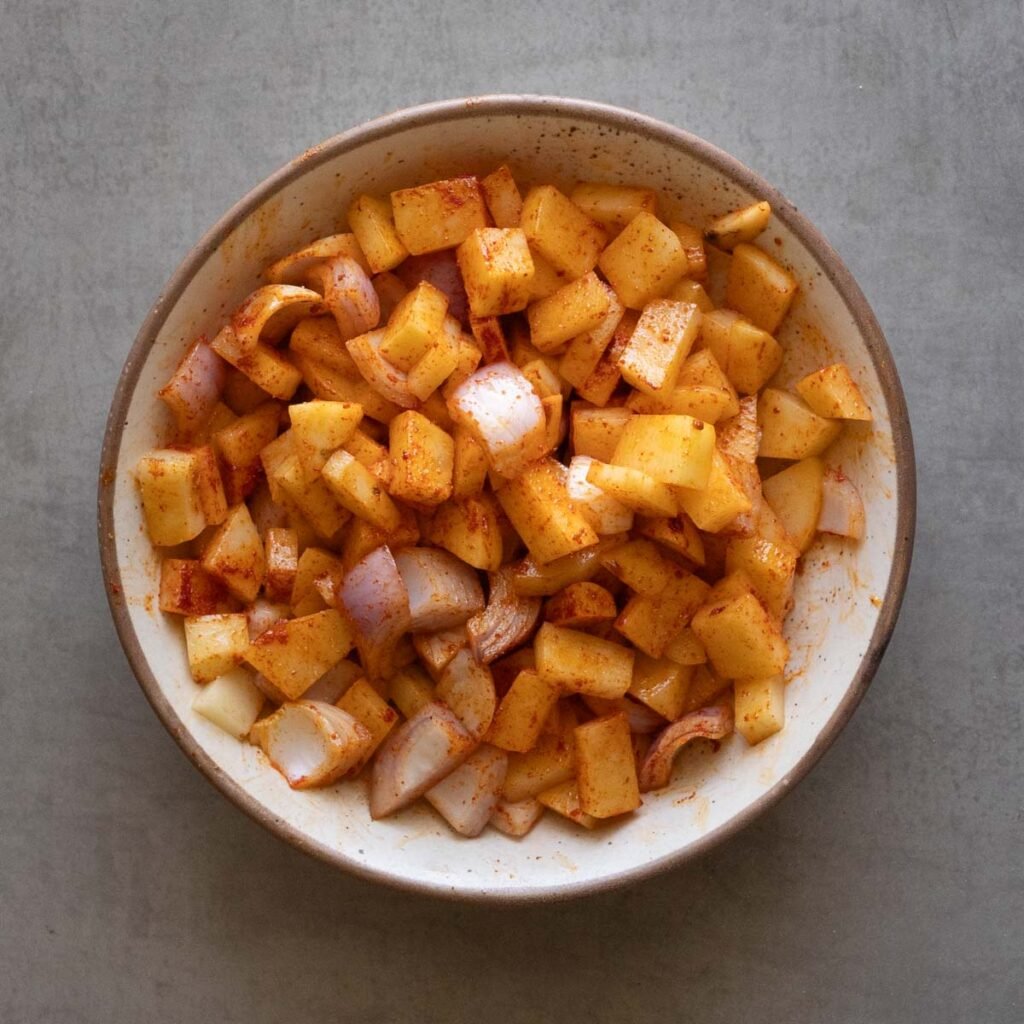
505	623
385	379
348	293
641	718
415	756
375	600
443	591
601	510
232	702
270	312
195	387
266	513
441	269
499	406
293	268
435	650
466	799
467	687
842	510
516	819
312	743
709	723
333	684
262	614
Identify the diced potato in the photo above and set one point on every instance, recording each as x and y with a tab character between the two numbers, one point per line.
795	496
584	354
721	501
661	684
186	588
693	245
239	444
497	270
502	197
652	623
614	206
531	578
748	355
371	454
210	486
410	690
561	232
470	529
603	512
554	426
281	553
294	653
740	436
523	710
169	486
706	689
743	225
440	362
596	432
644	261
438	215
320	428
574	309
436	650
390	289
634	489
744	524
678	535
581	605
675	450
314	565
232	702
549	763
415	326
686	649
215	644
741	638
661	341
371	711
372	222
235	555
581	663
688	290
789	429
469	358
358	490
605	767
311	496
760	707
490	336
832	392
758	287
469	472
564	799
422	457
641	566
770	567
264	366
546	280
539	508
544	380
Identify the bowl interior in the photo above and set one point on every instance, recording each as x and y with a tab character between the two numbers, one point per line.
842	615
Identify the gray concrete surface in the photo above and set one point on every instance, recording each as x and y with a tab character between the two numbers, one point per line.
887	888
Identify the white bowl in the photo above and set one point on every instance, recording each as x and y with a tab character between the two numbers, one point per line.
847	597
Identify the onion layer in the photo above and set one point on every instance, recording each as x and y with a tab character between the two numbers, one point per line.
270	312
293	268
842	510
384	378
516	819
466	799
195	388
348	293
467	687
506	622
442	590
709	723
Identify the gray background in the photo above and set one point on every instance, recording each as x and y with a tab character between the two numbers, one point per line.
888	887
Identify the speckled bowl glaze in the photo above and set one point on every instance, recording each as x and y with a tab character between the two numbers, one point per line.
847	597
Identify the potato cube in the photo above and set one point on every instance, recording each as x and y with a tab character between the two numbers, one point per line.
438	215
561	232
232	702
371	454
652	623
415	326
502	197
614	206
489	336
740	436
605	767
661	341
580	605
314	565
264	366
169	486
550	762
468	359
686	649
741	638
583	356
235	555
186	588
497	270
544	380
743	225
581	663
644	261
311	496
470	529
281	553
832	392
411	690
294	653
707	688
603	512
678	535
758	287
760	707
546	280
422	459
320	428
564	799
661	684
470	465
721	501
693	245
688	290
210	486
358	490
675	450
215	644
371	711
789	429
748	355
523	710
596	432
634	489
574	309
770	567
641	566
795	496
372	222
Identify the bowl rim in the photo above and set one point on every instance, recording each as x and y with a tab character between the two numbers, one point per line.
435	113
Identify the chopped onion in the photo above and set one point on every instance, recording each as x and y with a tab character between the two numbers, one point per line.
709	723
500	407
531	578
466	799
262	614
312	743
195	387
375	600
334	683
641	718
416	756
467	687
842	510
270	312
441	269
231	701
435	650
385	379
505	623
348	293
293	268
516	819
443	591
601	510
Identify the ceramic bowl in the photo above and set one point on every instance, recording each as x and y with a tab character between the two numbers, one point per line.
847	597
